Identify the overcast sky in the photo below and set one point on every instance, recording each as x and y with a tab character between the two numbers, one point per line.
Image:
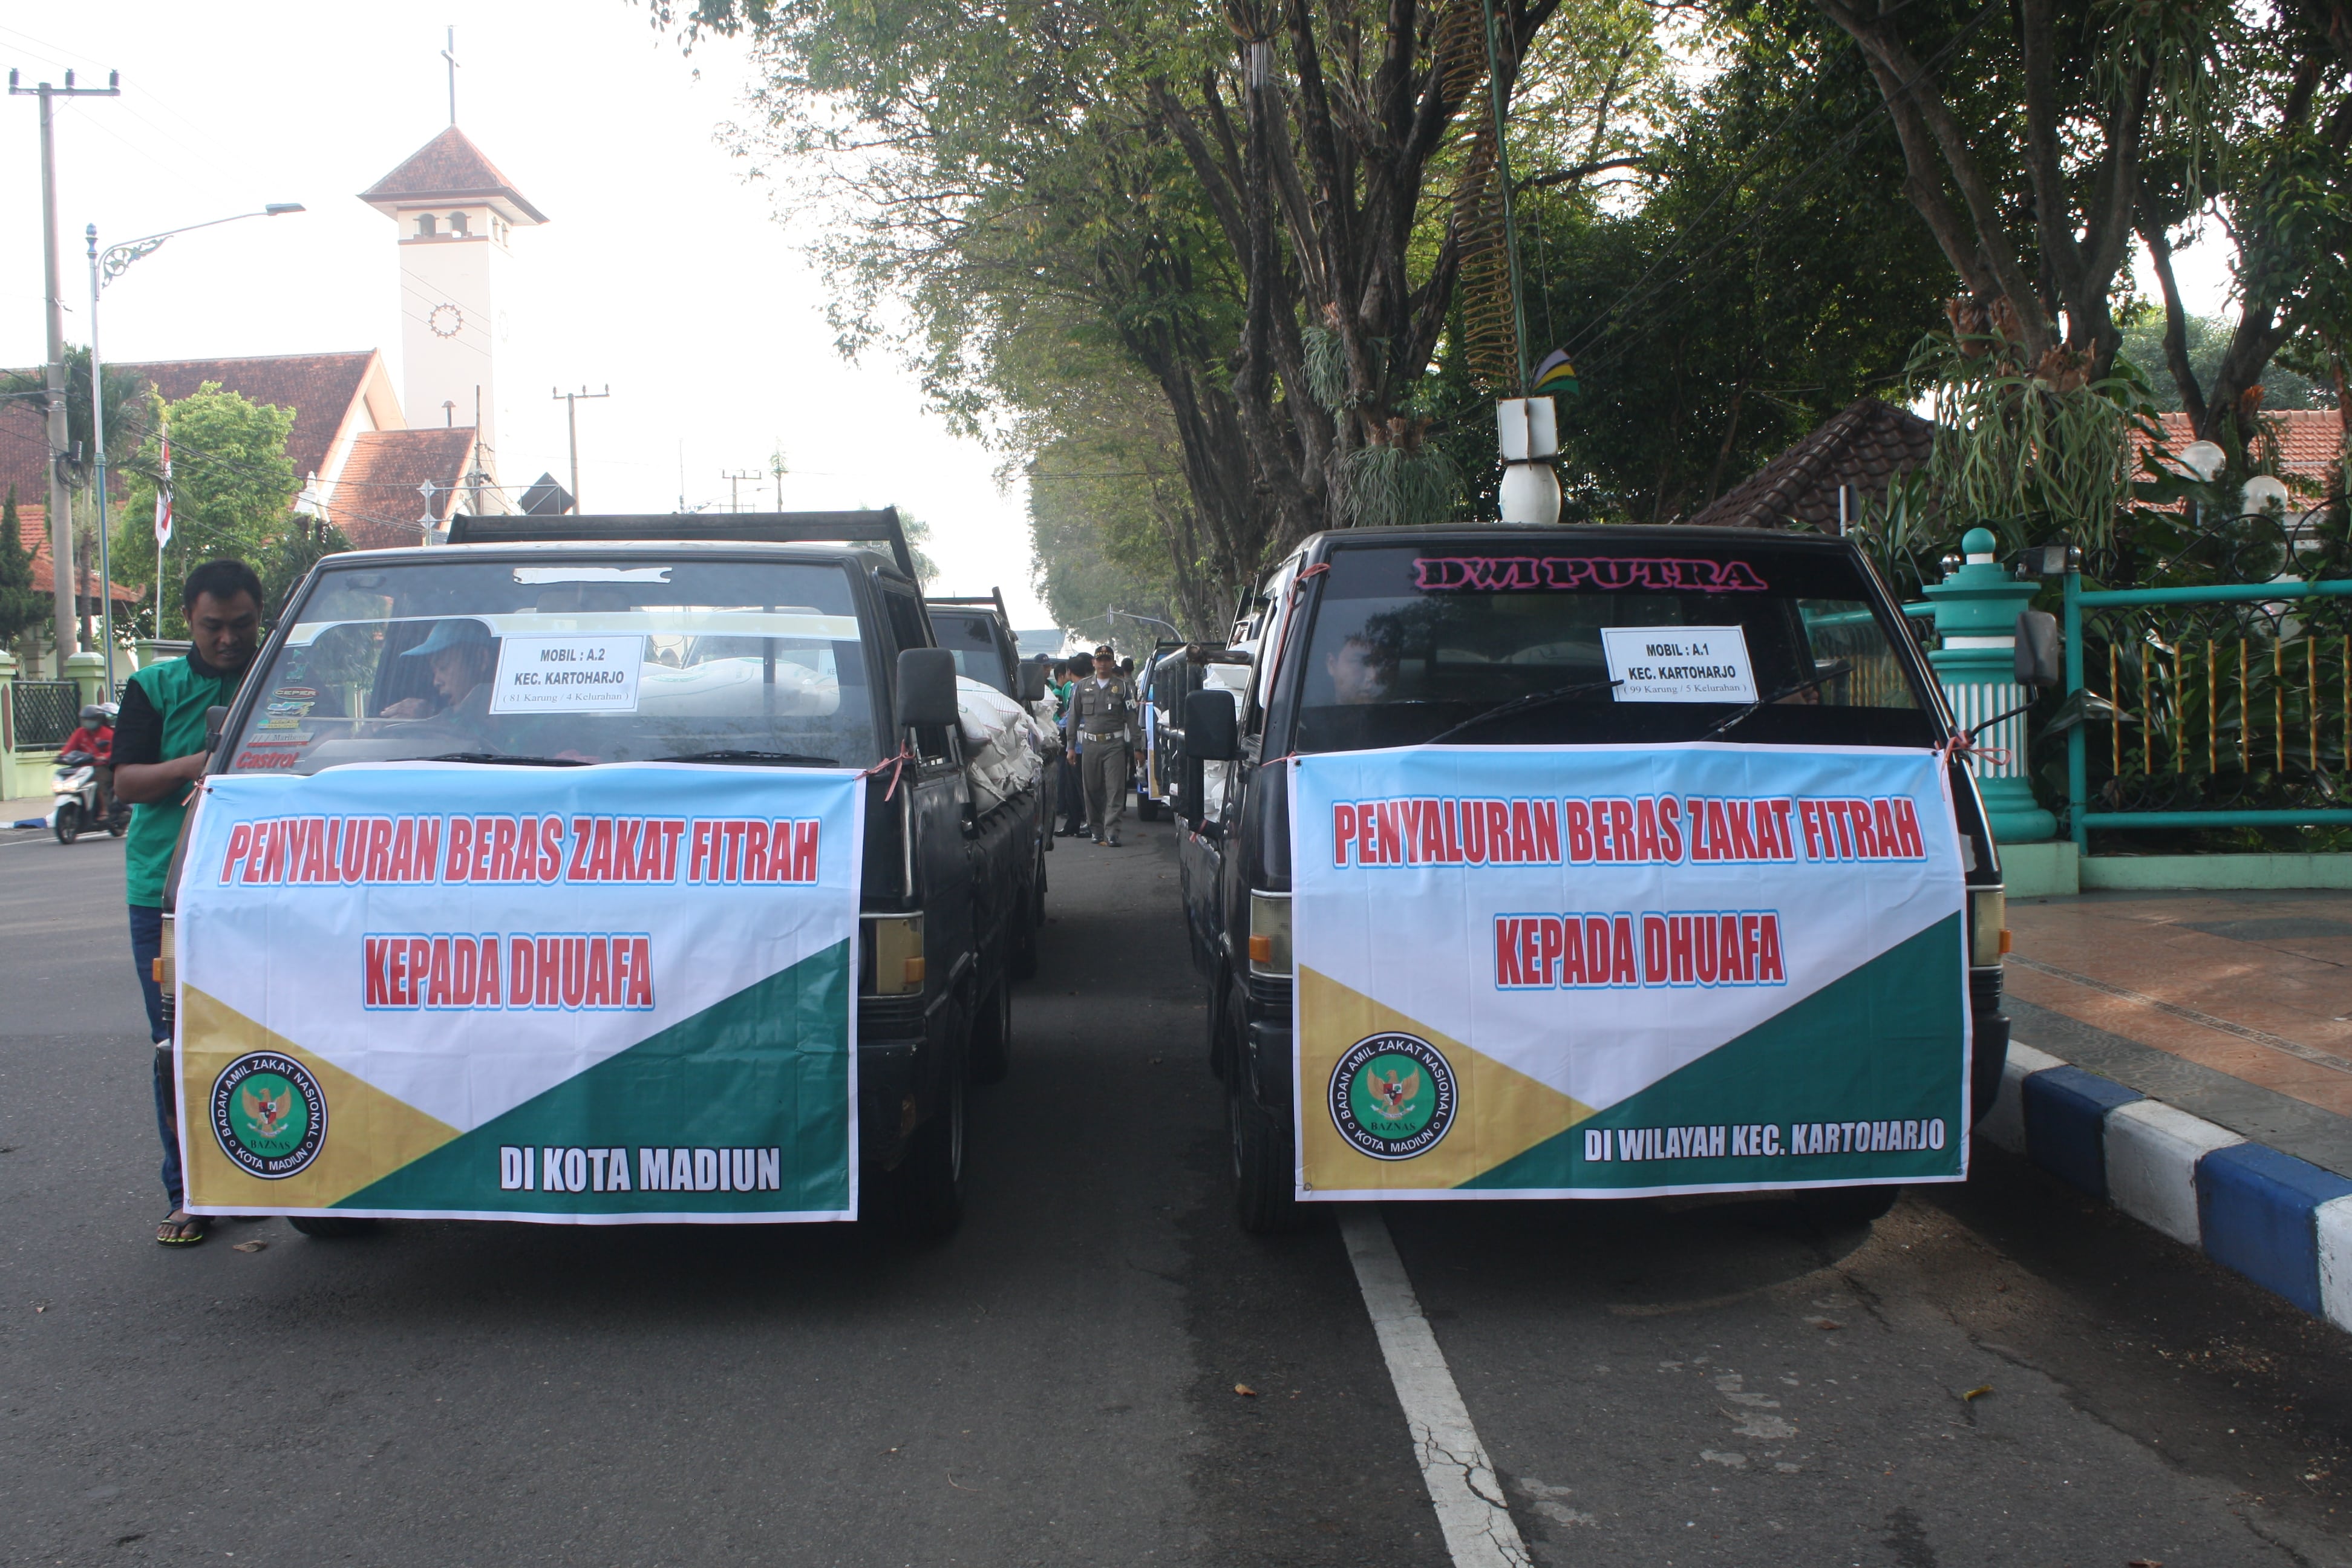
660	271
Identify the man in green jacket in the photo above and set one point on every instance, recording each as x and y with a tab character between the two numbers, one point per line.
159	753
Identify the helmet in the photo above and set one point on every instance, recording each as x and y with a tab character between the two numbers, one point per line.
97	714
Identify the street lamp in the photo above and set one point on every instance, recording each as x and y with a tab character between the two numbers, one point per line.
105	266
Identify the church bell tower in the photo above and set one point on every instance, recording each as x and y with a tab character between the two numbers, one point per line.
456	217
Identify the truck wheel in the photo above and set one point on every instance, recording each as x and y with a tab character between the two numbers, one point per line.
1841	1208
930	1181
67	827
1021	962
1263	1199
1146	808
331	1227
992	1036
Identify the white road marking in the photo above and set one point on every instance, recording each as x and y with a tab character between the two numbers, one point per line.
1479	1531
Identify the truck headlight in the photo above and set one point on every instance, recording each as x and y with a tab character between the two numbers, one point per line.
1269	934
1988	926
893	952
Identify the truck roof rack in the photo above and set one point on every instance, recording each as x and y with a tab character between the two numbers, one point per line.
755	527
993	596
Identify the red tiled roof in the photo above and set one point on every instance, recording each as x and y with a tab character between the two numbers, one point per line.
33	528
377	500
2310	440
447	167
319	388
1865	445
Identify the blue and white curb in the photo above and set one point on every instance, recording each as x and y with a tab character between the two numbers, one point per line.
2283	1223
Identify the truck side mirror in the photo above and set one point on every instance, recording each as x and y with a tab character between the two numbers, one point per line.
1212	726
1033	680
216	721
2041	654
926	687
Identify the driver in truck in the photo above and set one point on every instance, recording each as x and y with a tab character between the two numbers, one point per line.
463	655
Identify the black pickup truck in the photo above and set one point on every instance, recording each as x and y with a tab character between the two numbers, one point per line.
1353	645
789	640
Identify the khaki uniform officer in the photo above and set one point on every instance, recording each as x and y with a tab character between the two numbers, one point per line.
1102	728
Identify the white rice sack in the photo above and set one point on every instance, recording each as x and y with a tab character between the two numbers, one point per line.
983	711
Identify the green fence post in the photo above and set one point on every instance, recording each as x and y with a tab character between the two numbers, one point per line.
1976	621
2078	772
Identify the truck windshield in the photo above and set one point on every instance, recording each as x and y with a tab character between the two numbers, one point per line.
1486	645
602	661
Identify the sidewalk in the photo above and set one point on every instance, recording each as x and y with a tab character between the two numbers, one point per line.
15	811
2235	1006
2188	1058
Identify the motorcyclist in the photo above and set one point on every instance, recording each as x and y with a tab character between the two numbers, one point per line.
95	737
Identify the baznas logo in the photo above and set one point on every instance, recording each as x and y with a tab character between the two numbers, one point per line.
268	1114
1393	1096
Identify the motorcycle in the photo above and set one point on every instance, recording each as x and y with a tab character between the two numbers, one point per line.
75	786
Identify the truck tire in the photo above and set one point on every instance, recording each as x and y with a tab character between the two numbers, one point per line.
1263	1167
1841	1208
1021	962
991	1035
928	1186
1146	808
331	1227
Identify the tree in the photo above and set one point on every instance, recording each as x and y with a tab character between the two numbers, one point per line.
1710	298
288	559
22	610
2204	340
232	488
1270	234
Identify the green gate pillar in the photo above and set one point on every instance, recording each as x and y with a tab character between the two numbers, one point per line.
88	670
1976	620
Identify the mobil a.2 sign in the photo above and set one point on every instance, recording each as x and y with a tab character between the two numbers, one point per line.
595	995
1544	971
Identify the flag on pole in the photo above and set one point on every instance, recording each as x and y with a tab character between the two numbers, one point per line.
164	500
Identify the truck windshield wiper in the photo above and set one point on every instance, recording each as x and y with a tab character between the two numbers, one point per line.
1521	704
515	762
778	759
1798	689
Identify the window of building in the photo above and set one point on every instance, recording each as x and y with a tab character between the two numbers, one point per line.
423	225
457	223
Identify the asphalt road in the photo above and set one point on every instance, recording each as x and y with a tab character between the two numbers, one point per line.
1657	1384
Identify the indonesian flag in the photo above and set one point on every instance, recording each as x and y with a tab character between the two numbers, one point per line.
164	500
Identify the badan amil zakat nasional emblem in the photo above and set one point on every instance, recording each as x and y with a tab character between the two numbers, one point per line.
1393	1096
268	1114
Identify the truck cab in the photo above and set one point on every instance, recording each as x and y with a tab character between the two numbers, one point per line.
1490	637
793	640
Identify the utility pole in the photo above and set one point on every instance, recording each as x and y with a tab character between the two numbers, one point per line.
735	490
779	468
450	54
61	551
571	418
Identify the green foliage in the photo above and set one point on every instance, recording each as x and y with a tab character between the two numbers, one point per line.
21	608
288	559
2207	339
232	488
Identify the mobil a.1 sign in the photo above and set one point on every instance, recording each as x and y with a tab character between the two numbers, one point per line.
595	995
1584	971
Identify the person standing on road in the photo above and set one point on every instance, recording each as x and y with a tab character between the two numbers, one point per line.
1069	785
1102	721
159	750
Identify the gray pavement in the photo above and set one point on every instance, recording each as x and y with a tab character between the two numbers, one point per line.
1057	1385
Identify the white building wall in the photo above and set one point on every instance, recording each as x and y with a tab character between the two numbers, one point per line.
451	289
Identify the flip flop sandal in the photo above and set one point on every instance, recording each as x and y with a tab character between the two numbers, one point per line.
188	1232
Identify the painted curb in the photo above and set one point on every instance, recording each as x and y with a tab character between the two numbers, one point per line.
2283	1223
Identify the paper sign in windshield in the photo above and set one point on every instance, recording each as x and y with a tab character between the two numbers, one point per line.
1679	664
568	675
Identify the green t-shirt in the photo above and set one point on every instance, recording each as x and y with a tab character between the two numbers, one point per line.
180	694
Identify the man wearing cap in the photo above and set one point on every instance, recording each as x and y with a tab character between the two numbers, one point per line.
159	750
463	655
1102	721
